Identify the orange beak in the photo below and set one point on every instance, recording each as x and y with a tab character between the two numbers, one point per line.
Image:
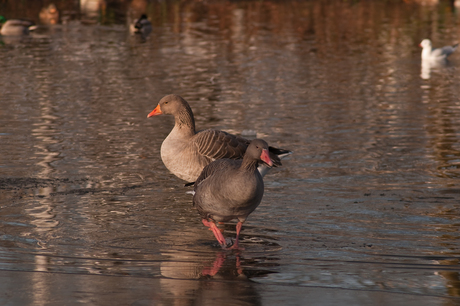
265	157
155	112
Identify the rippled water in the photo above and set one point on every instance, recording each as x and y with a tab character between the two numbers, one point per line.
364	212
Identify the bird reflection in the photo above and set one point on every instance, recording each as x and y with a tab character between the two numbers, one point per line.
213	269
224	264
428	66
180	278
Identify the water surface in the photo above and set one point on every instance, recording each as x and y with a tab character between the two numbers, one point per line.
364	212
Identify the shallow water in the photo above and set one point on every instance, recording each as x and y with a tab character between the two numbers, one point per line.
364	211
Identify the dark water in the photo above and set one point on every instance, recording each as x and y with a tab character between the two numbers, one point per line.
364	212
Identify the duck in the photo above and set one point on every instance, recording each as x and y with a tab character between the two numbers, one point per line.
142	26
185	152
438	54
16	27
229	189
49	14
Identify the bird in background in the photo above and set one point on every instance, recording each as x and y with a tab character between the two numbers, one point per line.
437	54
16	27
49	14
141	26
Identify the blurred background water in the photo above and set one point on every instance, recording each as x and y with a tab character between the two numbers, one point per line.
364	212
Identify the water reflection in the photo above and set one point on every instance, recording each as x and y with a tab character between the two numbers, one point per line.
182	267
224	267
43	215
41	290
90	10
44	131
428	66
218	263
452	278
443	130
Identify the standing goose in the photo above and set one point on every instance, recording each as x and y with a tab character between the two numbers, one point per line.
438	54
230	189
186	152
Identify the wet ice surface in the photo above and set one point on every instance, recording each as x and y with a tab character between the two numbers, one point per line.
364	210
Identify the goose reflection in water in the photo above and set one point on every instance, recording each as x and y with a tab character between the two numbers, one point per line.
184	265
219	262
220	272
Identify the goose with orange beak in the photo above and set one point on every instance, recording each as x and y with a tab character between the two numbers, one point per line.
185	152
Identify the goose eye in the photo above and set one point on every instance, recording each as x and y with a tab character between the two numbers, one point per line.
166	102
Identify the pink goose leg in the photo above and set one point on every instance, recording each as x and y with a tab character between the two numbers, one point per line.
220	238
238	230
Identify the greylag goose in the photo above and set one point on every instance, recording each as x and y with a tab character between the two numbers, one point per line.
438	54
230	189
186	152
